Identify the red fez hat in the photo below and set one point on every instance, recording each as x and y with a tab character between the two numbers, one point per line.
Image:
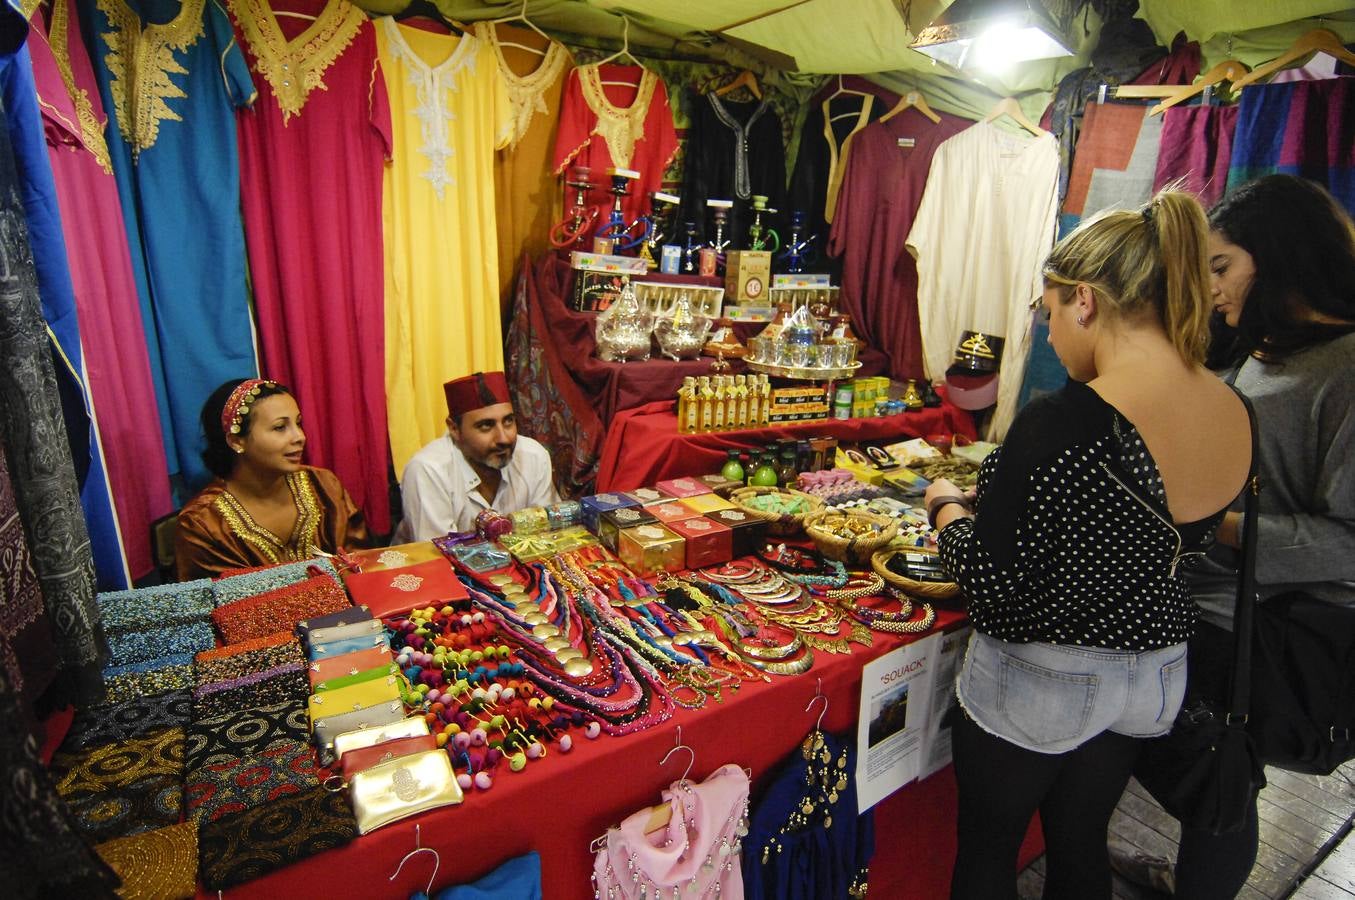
476	392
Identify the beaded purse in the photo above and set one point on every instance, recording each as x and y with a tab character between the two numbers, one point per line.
155	607
258	841
250	582
278	609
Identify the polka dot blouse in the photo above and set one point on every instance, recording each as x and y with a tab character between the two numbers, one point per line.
1072	541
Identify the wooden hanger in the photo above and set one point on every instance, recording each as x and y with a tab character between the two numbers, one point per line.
522	17
1008	107
1230	70
744	79
624	51
425	9
662	814
1319	40
912	100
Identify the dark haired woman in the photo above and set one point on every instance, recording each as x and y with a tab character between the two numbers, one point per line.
264	507
1069	563
1282	258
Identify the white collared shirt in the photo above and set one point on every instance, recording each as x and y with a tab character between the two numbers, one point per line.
440	488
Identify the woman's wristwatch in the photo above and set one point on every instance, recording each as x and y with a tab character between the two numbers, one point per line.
936	503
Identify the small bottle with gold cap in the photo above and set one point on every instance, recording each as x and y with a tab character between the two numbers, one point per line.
706	405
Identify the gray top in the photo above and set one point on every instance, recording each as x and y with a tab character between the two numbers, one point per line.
1305	409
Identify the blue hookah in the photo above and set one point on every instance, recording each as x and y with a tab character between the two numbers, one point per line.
799	252
617	229
656	224
690	249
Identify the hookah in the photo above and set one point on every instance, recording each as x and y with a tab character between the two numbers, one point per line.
656	225
798	252
758	238
689	250
720	211
617	229
569	232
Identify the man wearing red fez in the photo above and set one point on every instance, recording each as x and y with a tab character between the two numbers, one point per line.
480	463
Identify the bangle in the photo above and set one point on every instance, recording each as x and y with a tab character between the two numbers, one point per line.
935	504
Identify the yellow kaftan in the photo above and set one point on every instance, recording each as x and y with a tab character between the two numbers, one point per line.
449	113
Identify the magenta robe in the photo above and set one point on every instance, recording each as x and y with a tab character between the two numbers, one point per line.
117	367
311	162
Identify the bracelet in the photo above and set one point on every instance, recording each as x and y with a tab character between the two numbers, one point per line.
935	504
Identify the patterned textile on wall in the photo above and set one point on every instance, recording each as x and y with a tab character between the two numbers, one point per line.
544	394
39	458
25	633
1197	145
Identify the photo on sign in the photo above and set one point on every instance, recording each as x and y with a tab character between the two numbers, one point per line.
888	715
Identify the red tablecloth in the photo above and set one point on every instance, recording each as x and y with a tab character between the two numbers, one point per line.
643	445
558	805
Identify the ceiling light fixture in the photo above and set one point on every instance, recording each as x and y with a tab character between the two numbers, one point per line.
992	34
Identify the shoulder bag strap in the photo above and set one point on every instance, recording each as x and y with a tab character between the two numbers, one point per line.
1239	694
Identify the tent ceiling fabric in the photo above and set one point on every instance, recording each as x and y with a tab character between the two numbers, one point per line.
1201	20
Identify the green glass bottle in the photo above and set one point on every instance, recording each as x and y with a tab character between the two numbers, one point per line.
733	469
765	473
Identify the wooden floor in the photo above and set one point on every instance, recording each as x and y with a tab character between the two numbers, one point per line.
1307	850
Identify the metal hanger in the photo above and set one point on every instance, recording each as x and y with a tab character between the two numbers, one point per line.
426	9
818	695
419	848
663	814
522	17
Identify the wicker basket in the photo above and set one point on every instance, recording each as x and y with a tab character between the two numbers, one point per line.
921	590
853	551
778	525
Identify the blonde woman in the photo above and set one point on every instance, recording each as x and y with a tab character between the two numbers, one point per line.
1070	558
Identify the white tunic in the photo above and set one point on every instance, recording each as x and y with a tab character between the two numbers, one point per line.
440	495
981	236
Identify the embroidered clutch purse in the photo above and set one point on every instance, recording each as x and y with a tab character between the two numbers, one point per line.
355	761
279	609
331	667
352	645
353	697
390	592
255	842
330	727
333	633
379	734
396	557
401	788
390	670
342	617
245	583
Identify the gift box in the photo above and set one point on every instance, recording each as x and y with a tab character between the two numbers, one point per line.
706	503
747	273
708	542
683	487
599	279
671	511
532	520
646	495
598	504
612	521
721	485
563	515
531	547
749	532
649	548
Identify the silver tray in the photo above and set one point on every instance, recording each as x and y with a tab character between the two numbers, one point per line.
803	373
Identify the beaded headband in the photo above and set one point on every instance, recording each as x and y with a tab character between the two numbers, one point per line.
238	404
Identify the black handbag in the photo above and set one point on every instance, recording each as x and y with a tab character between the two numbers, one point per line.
1303	684
1207	771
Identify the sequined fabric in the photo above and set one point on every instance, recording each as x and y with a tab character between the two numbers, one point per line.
140	646
277	685
144	806
121	764
258	841
230	588
134	718
232	786
211	667
154	607
245	733
278	609
155	865
147	679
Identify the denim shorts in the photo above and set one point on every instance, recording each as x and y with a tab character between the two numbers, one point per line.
1052	698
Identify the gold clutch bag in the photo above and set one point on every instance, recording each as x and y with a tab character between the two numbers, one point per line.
403	787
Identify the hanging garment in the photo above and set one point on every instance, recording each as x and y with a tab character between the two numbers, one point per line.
1302	128
880	194
518	878
450	113
821	161
605	125
526	192
695	854
991	196
805	840
734	151
26	662
171	75
37	454
314	231
1197	145
118	375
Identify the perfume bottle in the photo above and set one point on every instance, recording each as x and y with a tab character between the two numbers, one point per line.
733	469
706	401
765	473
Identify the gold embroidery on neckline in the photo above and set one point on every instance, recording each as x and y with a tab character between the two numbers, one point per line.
619	128
141	60
301	543
91	131
526	93
295	68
